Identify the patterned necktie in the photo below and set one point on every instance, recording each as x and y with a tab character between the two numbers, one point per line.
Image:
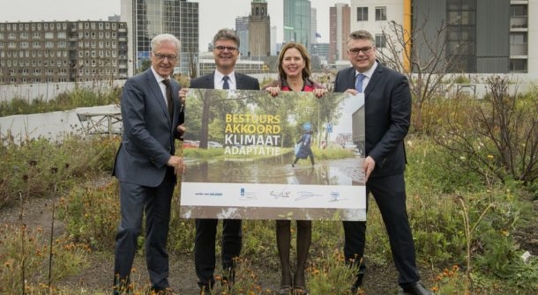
358	84
169	101
225	84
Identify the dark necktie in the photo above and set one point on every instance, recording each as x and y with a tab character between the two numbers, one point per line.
169	97
358	84
225	84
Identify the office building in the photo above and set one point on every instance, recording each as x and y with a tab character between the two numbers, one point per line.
313	28
482	36
274	47
62	51
297	24
148	18
339	18
478	33
241	28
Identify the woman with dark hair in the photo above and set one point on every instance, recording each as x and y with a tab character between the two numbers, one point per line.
294	75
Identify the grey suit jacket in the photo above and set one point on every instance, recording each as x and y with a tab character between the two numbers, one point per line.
244	82
387	109
148	131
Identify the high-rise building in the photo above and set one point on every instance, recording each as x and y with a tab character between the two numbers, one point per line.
274	47
482	36
114	18
323	49
478	32
259	30
339	19
62	51
148	18
313	27
297	24
241	28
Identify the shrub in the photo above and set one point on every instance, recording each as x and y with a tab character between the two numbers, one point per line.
25	258
41	168
498	138
78	97
92	214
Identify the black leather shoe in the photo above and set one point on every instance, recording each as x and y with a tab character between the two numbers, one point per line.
162	291
167	291
230	276
356	287
416	289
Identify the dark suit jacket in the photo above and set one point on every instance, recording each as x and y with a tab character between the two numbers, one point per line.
243	81
148	131
387	109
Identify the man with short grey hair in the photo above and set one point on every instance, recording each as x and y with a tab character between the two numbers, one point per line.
146	165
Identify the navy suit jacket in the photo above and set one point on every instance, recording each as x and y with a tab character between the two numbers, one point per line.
148	131
387	106
244	82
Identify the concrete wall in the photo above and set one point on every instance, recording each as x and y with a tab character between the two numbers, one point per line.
49	91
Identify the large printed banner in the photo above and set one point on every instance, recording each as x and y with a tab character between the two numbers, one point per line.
253	156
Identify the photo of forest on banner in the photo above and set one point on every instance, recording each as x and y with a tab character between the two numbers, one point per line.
254	156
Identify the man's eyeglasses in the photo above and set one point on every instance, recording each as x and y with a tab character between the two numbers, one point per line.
364	50
229	48
170	57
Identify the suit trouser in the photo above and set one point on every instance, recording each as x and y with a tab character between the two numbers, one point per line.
204	247
389	194
135	200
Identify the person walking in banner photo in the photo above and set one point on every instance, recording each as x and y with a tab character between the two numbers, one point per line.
387	100
294	75
225	52
304	145
146	165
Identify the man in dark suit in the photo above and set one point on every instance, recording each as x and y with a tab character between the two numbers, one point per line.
146	165
387	116
225	53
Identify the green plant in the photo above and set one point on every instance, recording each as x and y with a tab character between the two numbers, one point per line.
25	251
498	138
92	214
459	216
451	282
78	97
38	167
328	274
461	79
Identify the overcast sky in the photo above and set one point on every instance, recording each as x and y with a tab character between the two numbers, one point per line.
214	14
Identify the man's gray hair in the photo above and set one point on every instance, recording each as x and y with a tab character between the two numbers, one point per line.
157	40
227	34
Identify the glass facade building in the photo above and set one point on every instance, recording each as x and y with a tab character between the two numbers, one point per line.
297	24
148	18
